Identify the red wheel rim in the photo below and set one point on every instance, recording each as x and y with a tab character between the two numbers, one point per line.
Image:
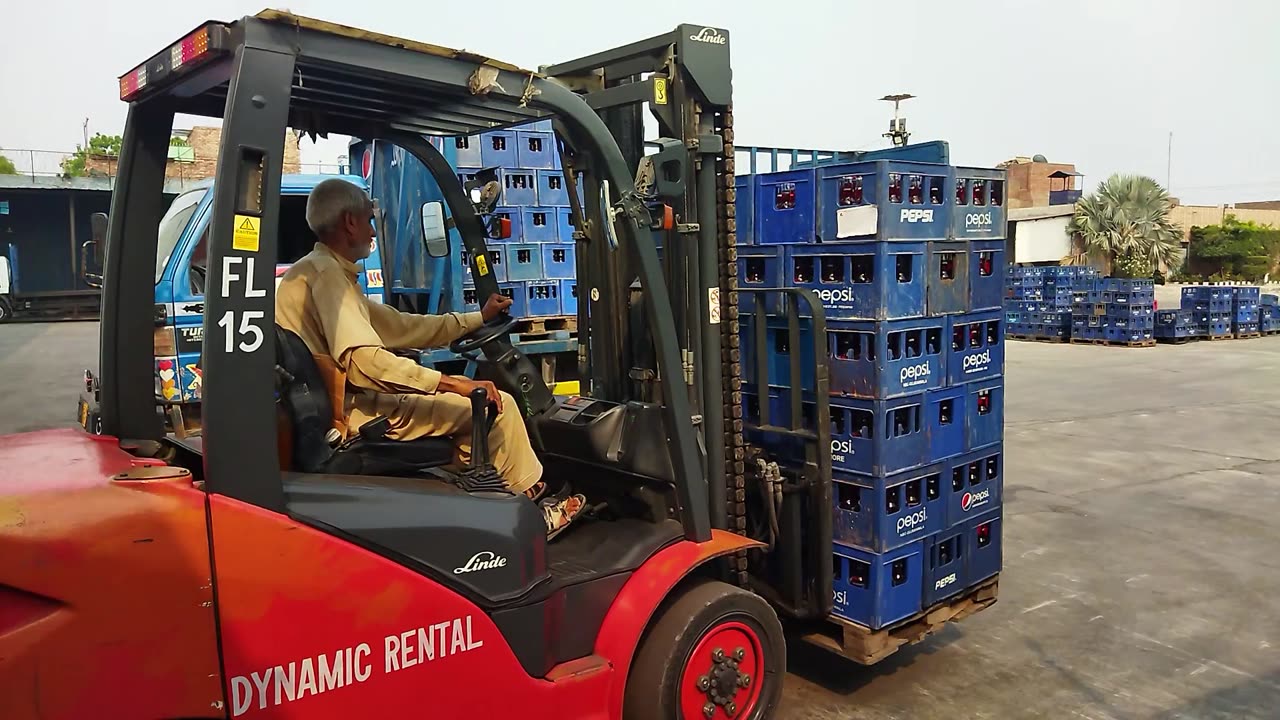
736	674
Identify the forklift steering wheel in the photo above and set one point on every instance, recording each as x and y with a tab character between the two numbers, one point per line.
486	333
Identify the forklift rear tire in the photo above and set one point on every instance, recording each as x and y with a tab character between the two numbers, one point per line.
716	652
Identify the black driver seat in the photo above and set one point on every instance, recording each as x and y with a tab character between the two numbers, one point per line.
309	407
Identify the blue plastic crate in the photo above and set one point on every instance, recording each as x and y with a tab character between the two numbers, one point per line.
498	149
496	264
519	187
861	281
979	212
947	286
946	568
569	297
886	359
784	207
880	514
760	266
535	149
1245	328
977	484
1129	334
524	262
976	348
539	224
468	147
551	189
876	590
1219	328
744	209
559	261
564	225
1246	292
513	290
984	414
777	351
945	413
986	257
543	298
985	555
878	437
883	200
517	224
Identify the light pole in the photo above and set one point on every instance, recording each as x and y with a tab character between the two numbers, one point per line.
898	125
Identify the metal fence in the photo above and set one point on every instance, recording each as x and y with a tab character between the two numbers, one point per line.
36	163
49	164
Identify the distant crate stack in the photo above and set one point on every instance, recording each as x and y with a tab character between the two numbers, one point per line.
1117	311
536	266
1218	312
1039	300
908	261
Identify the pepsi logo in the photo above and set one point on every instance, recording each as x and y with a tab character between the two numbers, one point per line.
966	502
970	499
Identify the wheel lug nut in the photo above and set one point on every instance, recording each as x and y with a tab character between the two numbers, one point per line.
708	709
704	683
717	655
744	681
731	709
739	654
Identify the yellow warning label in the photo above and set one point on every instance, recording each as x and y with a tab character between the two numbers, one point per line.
659	91
482	265
246	233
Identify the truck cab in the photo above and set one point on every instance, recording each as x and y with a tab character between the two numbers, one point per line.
181	273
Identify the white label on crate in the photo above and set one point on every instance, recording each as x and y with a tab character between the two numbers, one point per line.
856	221
713	305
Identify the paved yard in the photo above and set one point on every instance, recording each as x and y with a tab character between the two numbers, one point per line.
1142	553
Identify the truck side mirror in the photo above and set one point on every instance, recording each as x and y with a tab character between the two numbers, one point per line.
434	235
92	248
98	234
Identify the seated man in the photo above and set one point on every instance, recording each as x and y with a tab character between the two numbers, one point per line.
320	300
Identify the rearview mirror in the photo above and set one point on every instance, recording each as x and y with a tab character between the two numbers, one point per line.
434	236
98	234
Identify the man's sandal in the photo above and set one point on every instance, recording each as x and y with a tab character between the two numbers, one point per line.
559	513
536	491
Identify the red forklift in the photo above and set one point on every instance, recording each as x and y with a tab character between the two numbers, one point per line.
259	571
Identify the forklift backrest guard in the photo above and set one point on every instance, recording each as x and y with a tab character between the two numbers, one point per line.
278	70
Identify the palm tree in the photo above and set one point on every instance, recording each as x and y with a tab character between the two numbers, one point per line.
1127	221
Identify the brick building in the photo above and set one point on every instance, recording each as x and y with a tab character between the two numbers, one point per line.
199	159
1034	182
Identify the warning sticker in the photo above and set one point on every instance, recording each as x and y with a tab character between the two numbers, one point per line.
659	91
246	233
482	265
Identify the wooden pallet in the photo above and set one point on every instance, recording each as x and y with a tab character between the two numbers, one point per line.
542	328
1036	338
1177	340
1246	336
1219	337
866	646
1114	343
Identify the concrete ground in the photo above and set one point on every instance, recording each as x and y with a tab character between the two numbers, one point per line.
1142	554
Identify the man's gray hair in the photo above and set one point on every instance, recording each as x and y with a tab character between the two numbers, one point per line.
330	199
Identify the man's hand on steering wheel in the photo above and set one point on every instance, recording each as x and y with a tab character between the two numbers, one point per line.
494	306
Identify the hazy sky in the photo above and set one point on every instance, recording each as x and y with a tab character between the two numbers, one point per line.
1100	83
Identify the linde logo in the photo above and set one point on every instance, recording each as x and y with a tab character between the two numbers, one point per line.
841	295
971	500
914	375
977	361
978	220
710	36
913	215
483	560
840	448
913	522
945	582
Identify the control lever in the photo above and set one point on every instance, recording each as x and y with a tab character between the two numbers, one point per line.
480	475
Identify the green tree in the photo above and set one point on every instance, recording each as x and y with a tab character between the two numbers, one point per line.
6	166
99	144
1127	221
1235	249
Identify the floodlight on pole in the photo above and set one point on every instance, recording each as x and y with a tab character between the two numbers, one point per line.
898	125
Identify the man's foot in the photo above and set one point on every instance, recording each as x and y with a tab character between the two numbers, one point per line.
559	513
536	491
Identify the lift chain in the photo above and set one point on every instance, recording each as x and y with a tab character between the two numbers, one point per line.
735	457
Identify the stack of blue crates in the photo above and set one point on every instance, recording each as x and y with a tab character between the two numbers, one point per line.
1245	302
1211	309
907	259
1268	314
1178	324
1038	300
536	266
1115	310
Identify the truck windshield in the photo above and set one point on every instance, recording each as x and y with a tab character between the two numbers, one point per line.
172	224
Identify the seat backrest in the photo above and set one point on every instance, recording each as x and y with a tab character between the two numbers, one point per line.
308	401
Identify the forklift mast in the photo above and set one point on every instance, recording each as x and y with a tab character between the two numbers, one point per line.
683	78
